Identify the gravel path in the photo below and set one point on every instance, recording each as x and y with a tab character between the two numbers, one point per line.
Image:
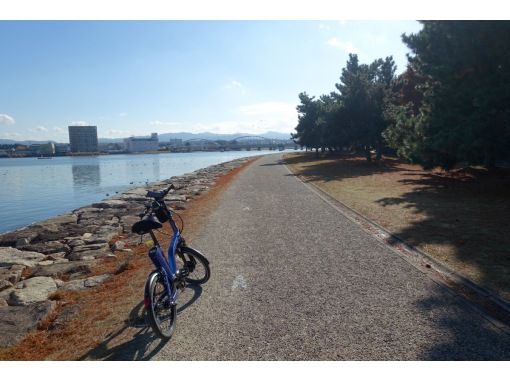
292	279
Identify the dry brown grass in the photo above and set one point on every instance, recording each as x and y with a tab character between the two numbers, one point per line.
109	313
460	218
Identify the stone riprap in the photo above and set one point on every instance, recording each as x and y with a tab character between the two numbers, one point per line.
60	252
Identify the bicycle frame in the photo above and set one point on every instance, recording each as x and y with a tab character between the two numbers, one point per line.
167	266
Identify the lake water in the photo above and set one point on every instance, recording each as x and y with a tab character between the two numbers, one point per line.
33	189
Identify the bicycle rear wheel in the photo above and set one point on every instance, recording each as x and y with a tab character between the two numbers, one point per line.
161	314
197	266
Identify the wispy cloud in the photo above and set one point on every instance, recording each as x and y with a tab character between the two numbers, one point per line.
163	123
235	85
6	119
323	26
346	46
41	128
123	114
58	130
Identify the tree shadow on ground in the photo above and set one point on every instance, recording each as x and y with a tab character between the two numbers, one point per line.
326	168
457	336
466	211
135	340
464	216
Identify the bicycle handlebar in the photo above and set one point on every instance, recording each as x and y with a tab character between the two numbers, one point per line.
159	207
159	194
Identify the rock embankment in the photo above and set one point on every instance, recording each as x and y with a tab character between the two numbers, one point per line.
59	253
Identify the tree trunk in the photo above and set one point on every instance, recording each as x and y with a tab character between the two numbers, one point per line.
379	150
368	155
317	152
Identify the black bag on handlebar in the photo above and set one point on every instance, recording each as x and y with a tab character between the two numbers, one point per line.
162	214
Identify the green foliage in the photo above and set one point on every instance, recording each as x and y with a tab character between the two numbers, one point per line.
451	105
355	115
463	71
308	128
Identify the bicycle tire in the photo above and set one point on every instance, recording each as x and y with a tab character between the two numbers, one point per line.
155	299
197	265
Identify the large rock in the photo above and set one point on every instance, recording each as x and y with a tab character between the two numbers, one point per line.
6	294
108	232
77	243
47	247
12	273
96	280
89	247
176	197
111	203
128	221
70	230
137	194
118	246
61	269
35	289
86	283
82	210
10	256
22	242
9	239
90	254
54	223
5	284
95	239
17	321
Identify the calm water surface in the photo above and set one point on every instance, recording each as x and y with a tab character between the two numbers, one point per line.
33	190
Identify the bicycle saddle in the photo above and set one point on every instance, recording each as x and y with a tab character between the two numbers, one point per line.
145	225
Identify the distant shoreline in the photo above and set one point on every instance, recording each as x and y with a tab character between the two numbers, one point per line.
140	153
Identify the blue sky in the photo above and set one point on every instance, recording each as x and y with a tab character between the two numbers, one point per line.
134	78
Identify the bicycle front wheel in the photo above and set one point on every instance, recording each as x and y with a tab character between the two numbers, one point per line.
162	315
197	266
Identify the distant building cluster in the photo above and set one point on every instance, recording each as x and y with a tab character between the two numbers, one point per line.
33	150
84	140
142	144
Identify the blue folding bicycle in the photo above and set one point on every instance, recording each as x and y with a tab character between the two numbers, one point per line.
183	265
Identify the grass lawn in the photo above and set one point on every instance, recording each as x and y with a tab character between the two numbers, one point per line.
461	218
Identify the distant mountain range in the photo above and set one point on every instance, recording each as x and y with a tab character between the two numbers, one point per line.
164	137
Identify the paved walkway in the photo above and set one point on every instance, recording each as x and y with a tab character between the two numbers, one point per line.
294	279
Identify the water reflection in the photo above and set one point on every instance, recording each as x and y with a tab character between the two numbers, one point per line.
86	175
66	183
155	167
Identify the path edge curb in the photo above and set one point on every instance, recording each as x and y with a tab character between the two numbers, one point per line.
424	260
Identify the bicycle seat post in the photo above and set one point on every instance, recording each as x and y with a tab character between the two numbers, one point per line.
153	237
